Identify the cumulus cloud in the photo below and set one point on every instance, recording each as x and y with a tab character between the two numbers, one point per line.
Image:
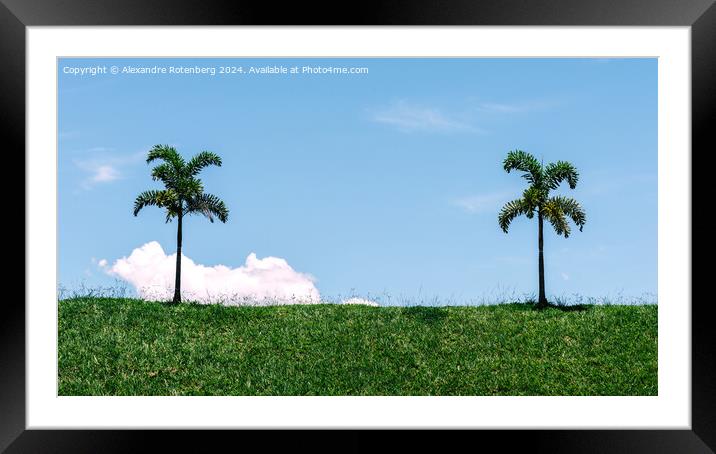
259	281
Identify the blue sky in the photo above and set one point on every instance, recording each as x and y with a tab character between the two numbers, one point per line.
385	183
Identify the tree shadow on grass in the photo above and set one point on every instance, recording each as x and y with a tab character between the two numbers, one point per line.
571	308
563	307
532	306
426	314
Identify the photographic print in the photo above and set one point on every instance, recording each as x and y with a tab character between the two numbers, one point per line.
357	226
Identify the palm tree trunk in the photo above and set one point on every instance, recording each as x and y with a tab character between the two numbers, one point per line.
542	302
177	278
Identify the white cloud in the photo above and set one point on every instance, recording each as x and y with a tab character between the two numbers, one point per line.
605	183
516	107
104	173
269	280
102	263
67	135
103	166
565	276
502	108
361	301
100	150
482	203
409	118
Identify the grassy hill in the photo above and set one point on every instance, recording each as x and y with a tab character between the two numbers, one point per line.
132	347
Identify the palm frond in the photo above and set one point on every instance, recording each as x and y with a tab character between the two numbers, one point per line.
189	187
524	162
534	198
170	200
511	210
556	217
167	154
208	205
558	209
165	173
570	208
147	198
169	215
557	172
202	160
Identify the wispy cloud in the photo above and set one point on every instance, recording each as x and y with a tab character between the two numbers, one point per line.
411	117
103	174
101	165
63	135
482	203
603	183
516	107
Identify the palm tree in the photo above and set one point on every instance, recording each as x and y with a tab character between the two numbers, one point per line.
183	194
556	209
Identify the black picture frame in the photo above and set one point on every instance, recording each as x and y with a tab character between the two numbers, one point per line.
700	15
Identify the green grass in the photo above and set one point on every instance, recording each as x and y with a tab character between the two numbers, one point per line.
132	347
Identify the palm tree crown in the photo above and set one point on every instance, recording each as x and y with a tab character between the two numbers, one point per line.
184	193
536	197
